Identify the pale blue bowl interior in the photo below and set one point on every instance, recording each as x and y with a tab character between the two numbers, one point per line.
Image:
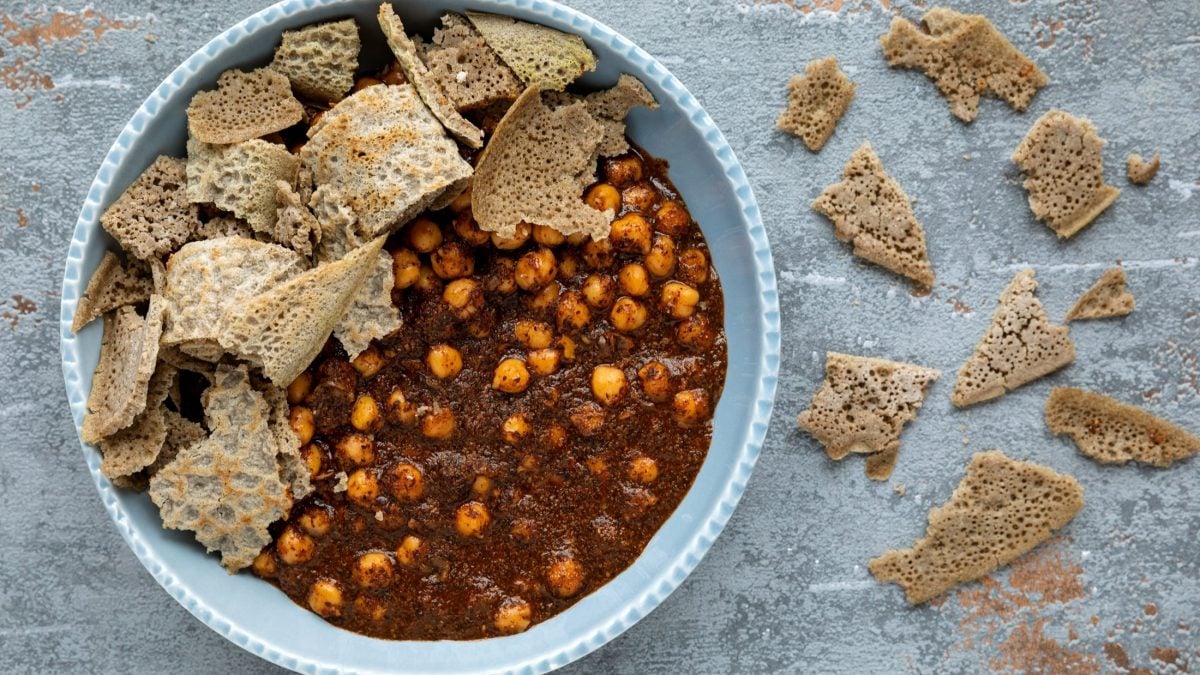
262	620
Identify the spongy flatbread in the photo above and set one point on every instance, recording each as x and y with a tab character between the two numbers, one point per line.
1064	172
372	314
816	101
153	217
542	57
535	169
426	84
965	56
224	226
226	488
1111	432
320	61
137	446
468	70
180	433
1020	346
611	106
1002	509
292	467
244	106
128	354
1106	298
387	156
296	226
864	403
112	285
870	210
1140	171
337	222
241	178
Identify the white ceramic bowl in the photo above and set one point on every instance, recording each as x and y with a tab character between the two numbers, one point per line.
259	618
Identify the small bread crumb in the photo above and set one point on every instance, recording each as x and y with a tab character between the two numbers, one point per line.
341	481
1140	171
1106	298
816	101
899	489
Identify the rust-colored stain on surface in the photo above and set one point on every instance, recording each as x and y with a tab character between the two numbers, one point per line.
1116	653
22	219
1029	650
834	6
1150	609
1171	657
20	306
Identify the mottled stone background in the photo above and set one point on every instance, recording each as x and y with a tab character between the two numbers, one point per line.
786	587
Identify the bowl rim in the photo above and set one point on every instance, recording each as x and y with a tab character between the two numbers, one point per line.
683	561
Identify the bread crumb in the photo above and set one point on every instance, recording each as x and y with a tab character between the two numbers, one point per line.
816	102
1106	298
1140	171
341	481
899	489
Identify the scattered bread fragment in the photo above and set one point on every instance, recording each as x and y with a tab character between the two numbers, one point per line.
1020	345
1002	509
224	226
965	56
128	355
863	405
153	217
241	179
542	57
468	70
1111	432
244	106
1106	298
112	285
371	314
1064	172
1140	171
816	101
292	467
295	226
611	106
137	446
320	60
870	210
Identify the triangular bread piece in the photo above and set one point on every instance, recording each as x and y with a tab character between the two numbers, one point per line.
1112	432
137	446
542	57
468	70
1002	509
241	178
425	82
1064	172
1020	345
244	106
1106	298
371	315
153	217
965	56
112	285
870	210
535	169
863	405
320	60
611	106
1140	171
816	101
128	355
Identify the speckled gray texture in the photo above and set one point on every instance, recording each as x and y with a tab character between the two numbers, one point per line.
785	588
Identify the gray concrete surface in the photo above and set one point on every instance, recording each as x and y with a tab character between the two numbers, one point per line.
785	589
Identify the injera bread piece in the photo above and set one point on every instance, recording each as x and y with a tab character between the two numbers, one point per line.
137	446
296	227
542	57
816	101
285	328
1064	172
1106	298
371	315
224	226
1020	346
870	210
153	217
241	179
1002	509
128	355
965	56
1111	432
863	405
244	106
180	433
112	285
320	61
466	68
611	106
1139	171
337	222
535	169
292	467
387	156
425	82
207	280
226	488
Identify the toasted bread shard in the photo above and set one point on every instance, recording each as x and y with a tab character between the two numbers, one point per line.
870	210
1106	298
863	405
292	467
468	70
225	226
128	354
135	447
1064	172
816	102
542	57
244	106
295	227
611	106
1111	432
386	155
536	167
320	60
1002	509
241	179
226	488
153	217
371	315
337	221
112	285
1020	346
425	82
1139	170
965	56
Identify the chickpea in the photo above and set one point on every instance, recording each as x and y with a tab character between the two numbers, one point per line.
599	290
482	485
325	598
661	258
543	361
399	409
405	482
410	550
693	267
502	279
464	296
567	346
452	260
564	576
673	219
439	424
462	202
312	459
572	313
548	236
444	361
370	607
427	280
598	255
362	488
356	450
264	565
544	298
466	228
373	569
364	416
568	264
517	240
512	616
634	280
556	436
515	428
609	385
603	197
364	82
511	376
471	519
622	171
690	407
631	234
315	521
639	197
679	299
406	267
643	470
294	547
423	235
656	381
369	362
536	269
627	315
298	390
598	467
533	334
393	75
302	421
695	333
